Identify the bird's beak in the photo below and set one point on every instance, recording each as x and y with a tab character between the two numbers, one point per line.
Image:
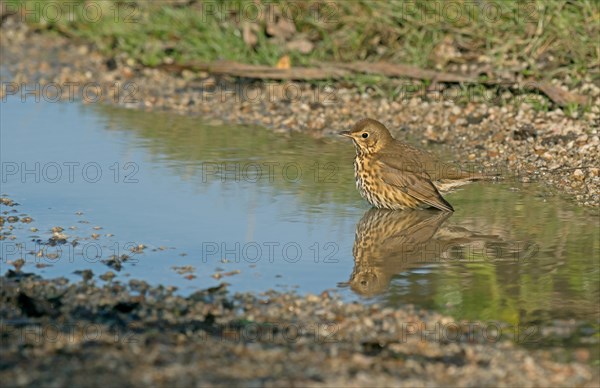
344	133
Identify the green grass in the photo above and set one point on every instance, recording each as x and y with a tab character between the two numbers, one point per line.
543	39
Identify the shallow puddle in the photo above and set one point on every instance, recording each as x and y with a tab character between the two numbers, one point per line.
259	210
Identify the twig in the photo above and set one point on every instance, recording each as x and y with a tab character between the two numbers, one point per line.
335	70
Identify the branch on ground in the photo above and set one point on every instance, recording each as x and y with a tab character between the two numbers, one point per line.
336	71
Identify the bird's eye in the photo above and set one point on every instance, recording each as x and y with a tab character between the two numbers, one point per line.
365	135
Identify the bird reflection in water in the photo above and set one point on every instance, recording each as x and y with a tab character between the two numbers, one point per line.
389	242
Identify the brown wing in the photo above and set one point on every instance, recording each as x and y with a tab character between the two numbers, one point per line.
390	228
416	184
415	159
405	157
411	228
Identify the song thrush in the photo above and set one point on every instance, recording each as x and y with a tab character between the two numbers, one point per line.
391	174
388	242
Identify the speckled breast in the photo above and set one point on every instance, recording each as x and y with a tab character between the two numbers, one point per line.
365	182
371	187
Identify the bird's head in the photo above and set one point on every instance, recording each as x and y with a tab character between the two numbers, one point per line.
369	282
368	135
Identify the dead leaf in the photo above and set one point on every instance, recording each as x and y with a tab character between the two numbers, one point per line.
283	28
249	34
184	269
284	62
303	46
445	52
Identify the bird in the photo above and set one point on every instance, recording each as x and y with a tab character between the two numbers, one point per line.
391	174
389	242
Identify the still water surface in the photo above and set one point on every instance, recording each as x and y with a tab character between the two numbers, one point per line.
283	211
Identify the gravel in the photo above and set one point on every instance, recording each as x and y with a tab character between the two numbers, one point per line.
108	333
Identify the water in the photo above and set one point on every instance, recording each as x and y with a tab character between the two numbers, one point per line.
283	211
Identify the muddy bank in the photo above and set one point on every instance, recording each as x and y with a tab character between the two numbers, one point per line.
505	132
92	333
